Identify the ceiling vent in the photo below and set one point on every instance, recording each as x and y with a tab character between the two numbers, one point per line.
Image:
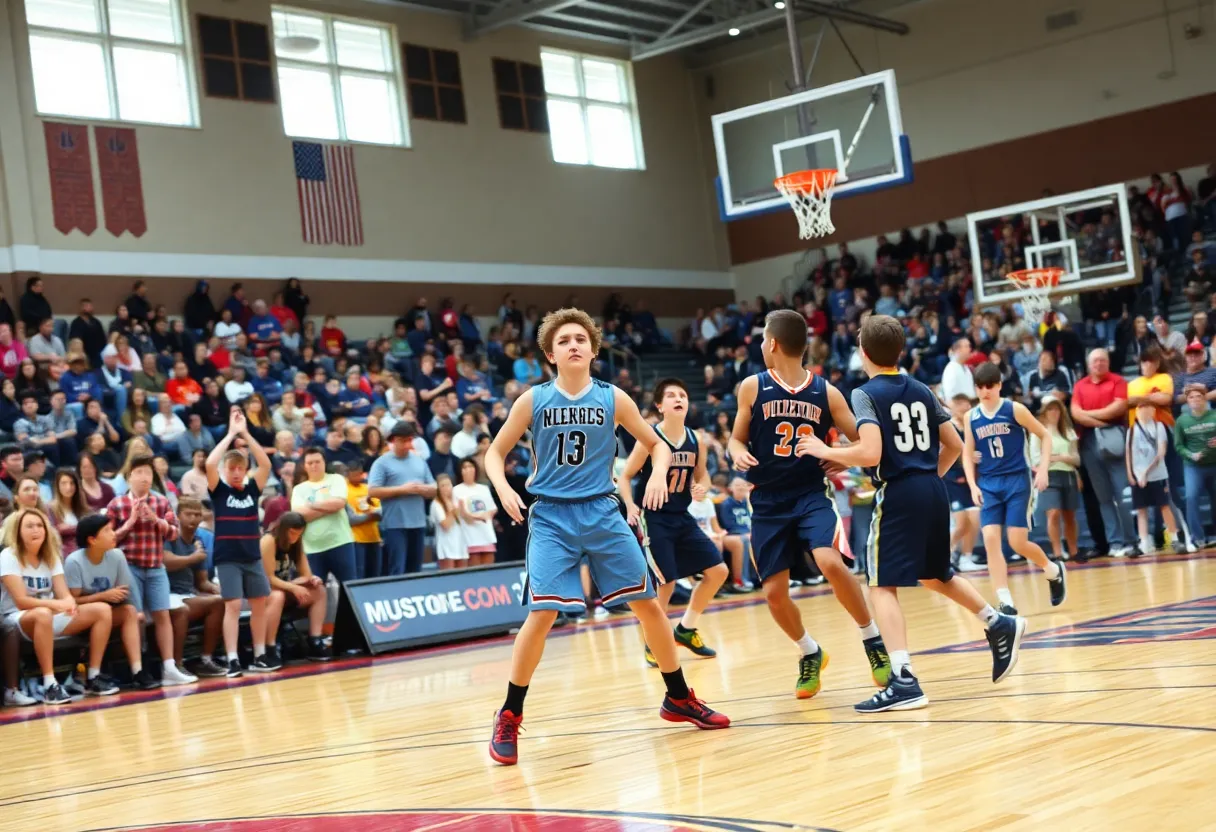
1062	20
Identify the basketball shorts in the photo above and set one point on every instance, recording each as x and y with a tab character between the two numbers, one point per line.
786	524
1155	494
959	494
910	532
677	546
1008	501
561	534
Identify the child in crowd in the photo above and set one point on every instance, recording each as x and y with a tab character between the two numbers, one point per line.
1146	446
477	509
364	521
450	549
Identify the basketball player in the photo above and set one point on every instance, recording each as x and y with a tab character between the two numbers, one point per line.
906	435
964	513
997	468
793	504
573	420
676	546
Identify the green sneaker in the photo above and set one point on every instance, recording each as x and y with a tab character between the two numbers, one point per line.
880	662
809	668
693	641
651	661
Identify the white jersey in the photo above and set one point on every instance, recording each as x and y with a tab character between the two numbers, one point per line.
703	512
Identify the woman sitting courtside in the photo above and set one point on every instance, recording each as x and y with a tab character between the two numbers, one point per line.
292	584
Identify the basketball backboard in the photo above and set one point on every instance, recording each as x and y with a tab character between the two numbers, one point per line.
1086	233
809	130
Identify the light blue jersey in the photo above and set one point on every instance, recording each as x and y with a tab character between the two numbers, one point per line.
574	441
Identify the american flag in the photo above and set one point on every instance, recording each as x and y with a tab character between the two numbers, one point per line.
329	194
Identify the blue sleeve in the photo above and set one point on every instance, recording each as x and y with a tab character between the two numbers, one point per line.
521	368
376	477
462	391
864	409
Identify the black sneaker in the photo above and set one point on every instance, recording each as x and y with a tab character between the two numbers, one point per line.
55	695
1005	639
274	656
318	651
1059	587
234	669
1007	609
903	693
100	685
263	664
145	680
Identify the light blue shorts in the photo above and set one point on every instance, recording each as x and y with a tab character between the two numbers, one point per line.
561	534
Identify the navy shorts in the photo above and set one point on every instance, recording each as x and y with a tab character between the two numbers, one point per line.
560	534
1008	501
959	495
677	546
910	532
787	524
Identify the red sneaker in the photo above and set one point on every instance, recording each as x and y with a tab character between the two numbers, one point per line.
504	745
693	710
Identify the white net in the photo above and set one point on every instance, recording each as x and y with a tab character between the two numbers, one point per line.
1036	286
809	193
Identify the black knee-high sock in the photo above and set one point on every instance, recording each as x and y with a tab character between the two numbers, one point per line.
515	698
677	688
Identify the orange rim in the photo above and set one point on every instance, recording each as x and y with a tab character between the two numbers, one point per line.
806	180
1037	278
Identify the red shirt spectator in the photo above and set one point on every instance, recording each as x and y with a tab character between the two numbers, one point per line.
183	391
12	352
221	358
917	269
282	313
1098	390
333	339
816	320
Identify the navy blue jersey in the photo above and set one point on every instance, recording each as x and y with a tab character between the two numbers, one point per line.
735	516
956	472
781	416
1000	441
679	475
574	441
238	533
908	415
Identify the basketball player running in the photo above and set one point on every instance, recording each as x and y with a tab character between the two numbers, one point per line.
676	545
964	513
906	435
997	468
576	514
793	504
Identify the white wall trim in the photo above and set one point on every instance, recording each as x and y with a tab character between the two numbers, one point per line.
153	264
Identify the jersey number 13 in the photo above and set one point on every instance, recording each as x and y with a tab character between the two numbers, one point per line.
571	447
912	426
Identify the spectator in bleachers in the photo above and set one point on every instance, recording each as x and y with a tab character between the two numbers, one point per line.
258	420
199	364
364	513
64	426
182	390
37	602
295	299
36	431
128	358
265	330
285	452
35	308
1047	382
472	385
1175	204
292	583
266	385
402	482
137	302
321	499
288	417
1196	372
442	460
353	397
12	352
168	427
956	377
45	346
333	339
79	383
115	381
464	442
527	370
226	329
239	388
137	409
193	485
97	494
32	379
213	407
150	378
186	560
95	420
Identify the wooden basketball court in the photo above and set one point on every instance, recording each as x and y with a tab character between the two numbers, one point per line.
1107	722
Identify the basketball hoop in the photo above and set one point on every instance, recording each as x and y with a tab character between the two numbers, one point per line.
809	193
1036	285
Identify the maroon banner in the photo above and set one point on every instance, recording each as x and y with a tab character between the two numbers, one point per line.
122	192
72	200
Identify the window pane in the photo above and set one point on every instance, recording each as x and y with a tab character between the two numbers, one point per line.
560	74
369	109
506	76
533	78
253	40
290	34
447	67
219	78
423	103
151	86
257	82
362	47
69	77
215	36
603	81
567	133
418	63
611	131
451	105
76	15
307	97
144	20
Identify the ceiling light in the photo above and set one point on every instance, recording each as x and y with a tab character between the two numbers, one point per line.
779	5
733	31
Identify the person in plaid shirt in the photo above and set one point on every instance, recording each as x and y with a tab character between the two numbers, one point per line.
143	524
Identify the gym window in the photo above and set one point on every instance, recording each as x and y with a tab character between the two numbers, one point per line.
432	77
520	90
593	118
339	78
236	59
112	60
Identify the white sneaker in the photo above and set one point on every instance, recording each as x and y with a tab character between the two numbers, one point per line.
1120	551
600	613
14	698
1191	548
969	564
171	676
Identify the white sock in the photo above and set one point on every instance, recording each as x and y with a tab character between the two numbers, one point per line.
689	620
900	661
1052	566
258	650
169	664
1146	545
870	631
1005	596
807	644
233	657
47	681
93	673
136	668
988	615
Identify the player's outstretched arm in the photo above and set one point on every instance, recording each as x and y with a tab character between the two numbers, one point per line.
866	452
624	483
630	418
737	446
952	446
1025	418
512	430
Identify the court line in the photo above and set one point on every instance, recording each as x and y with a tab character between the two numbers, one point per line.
254	762
206	768
33	714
